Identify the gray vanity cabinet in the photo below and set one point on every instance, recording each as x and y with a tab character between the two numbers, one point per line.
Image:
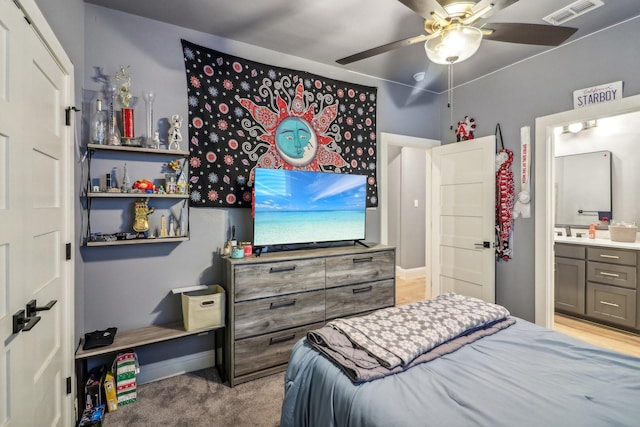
570	278
611	285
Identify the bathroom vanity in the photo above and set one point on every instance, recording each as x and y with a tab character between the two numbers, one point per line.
596	279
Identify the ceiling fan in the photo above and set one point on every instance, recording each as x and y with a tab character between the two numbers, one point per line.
451	36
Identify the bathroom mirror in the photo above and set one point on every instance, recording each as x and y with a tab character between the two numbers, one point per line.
618	135
583	188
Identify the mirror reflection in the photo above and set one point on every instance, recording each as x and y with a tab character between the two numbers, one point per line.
583	188
616	135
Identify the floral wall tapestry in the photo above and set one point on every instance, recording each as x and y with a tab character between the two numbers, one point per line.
244	114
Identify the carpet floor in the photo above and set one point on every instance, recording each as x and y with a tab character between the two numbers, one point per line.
200	399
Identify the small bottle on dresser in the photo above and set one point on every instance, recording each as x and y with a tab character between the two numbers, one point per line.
592	231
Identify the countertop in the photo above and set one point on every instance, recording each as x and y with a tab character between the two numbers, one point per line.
597	242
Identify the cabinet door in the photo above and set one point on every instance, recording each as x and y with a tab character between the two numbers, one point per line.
611	303
570	285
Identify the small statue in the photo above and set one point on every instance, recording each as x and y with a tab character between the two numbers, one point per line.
126	181
174	132
163	227
142	212
156	140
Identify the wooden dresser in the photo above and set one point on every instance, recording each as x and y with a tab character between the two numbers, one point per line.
274	299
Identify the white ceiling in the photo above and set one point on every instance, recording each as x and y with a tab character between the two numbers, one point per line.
327	30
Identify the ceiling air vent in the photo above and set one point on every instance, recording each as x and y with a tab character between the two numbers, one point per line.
574	10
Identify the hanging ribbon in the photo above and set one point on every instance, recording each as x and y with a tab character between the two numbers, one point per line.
504	198
523	201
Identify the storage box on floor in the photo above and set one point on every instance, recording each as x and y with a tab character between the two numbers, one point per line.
202	306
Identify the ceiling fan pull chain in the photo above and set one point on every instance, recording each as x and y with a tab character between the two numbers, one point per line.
450	95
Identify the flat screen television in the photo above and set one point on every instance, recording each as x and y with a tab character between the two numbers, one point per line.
302	207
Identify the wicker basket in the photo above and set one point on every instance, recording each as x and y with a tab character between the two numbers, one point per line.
623	233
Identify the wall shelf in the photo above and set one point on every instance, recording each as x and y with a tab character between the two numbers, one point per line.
136	149
139	241
117	201
137	196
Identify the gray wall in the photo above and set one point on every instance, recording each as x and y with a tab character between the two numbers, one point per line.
394	190
412	218
540	86
128	287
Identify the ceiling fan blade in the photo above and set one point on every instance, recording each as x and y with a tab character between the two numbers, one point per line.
544	35
496	6
424	8
382	49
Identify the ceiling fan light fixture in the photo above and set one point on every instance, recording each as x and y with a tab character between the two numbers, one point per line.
453	44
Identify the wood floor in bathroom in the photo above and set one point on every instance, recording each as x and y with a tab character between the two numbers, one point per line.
410	290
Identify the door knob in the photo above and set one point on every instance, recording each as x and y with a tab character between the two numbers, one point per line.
32	307
482	245
24	323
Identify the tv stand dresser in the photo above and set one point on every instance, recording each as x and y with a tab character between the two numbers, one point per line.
274	299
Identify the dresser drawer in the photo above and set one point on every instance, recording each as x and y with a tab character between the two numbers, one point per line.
358	268
276	278
610	303
274	314
611	274
352	299
613	256
570	251
266	351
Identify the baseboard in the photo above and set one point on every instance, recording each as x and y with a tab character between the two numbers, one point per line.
410	273
177	366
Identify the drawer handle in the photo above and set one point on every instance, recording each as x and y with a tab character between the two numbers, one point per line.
279	340
362	290
359	260
609	304
609	256
604	273
281	269
275	305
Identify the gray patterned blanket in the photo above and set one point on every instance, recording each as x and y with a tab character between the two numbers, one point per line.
396	336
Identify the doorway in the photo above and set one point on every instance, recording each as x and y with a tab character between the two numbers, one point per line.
545	203
396	204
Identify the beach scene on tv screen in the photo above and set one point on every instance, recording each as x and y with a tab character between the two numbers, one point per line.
308	207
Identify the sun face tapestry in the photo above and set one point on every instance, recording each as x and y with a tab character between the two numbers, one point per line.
244	114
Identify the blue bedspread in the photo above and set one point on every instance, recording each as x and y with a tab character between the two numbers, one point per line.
524	375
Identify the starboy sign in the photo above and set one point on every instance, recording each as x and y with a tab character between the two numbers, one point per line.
597	94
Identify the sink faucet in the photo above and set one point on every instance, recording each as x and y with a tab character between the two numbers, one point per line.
568	230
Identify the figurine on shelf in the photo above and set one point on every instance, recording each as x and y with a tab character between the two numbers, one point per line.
142	212
174	132
156	140
126	181
172	228
163	227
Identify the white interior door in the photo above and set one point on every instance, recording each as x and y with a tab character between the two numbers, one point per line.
463	217
35	213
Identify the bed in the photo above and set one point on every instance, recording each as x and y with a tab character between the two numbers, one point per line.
518	375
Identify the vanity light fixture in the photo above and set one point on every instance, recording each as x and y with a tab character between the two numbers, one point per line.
579	126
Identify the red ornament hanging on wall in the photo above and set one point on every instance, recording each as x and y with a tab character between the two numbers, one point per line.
465	129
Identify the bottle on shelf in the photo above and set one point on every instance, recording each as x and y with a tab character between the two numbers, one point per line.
99	123
592	231
113	132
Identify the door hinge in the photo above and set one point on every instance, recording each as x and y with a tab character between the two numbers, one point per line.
68	385
68	114
68	251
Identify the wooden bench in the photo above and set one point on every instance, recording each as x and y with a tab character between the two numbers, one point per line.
139	337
